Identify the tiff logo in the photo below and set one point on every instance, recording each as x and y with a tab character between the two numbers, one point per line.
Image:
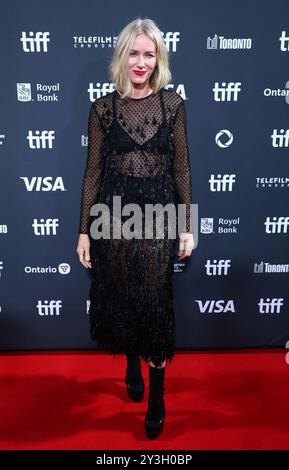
280	139
45	227
41	139
171	39
276	225
270	305
222	183
284	42
37	42
99	90
217	268
49	308
224	92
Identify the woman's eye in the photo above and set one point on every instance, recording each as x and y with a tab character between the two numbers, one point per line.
133	53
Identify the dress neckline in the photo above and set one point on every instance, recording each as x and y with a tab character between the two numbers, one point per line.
137	99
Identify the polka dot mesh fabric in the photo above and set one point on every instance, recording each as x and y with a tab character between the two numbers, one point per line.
138	150
141	120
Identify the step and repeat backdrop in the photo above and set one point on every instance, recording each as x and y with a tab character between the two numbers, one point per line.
230	62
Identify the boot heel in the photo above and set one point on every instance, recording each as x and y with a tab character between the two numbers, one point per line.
154	423
155	415
134	380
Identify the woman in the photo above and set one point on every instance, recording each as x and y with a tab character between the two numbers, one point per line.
138	151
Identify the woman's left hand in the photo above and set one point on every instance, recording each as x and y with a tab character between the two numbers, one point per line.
186	245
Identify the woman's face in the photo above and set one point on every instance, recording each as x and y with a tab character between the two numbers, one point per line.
142	57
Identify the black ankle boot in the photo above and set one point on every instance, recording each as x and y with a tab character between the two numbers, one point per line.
155	415
133	378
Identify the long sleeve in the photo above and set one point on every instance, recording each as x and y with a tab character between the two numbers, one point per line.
181	163
94	168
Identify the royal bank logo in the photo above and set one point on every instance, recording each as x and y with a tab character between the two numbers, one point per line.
223	226
42	93
220	42
35	42
207	225
24	92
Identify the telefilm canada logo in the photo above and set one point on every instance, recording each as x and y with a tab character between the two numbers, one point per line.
171	39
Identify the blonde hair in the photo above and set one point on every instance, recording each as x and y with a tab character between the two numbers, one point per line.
118	69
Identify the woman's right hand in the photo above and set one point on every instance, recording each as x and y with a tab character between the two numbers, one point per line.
83	250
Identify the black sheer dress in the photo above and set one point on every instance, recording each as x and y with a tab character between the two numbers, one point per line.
138	150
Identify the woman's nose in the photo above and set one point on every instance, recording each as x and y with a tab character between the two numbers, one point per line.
140	61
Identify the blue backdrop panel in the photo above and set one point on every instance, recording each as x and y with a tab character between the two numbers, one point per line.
229	62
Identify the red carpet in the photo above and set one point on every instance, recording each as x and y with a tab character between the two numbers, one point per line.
77	400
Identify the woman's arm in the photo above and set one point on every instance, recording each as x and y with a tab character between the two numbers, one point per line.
94	168
181	163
